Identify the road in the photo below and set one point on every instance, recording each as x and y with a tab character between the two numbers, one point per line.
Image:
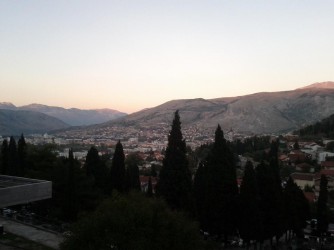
43	237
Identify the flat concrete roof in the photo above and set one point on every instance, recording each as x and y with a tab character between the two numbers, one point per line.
11	181
18	190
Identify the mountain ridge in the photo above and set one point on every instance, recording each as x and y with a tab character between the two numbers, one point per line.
257	113
71	116
15	122
263	112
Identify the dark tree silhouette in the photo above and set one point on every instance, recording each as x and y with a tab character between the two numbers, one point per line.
96	169
149	188
268	204
4	157
216	189
322	210
175	184
296	207
132	172
117	171
22	154
134	221
12	160
202	193
250	222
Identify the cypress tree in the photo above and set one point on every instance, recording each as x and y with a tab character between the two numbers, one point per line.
250	224
132	177
12	160
117	171
175	184
132	172
21	150
202	193
279	220
322	210
297	208
222	188
4	157
96	169
271	201
92	161
149	188
70	203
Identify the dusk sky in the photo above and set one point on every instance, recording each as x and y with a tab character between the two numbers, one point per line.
130	55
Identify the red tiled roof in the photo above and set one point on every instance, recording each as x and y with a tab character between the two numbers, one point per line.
304	165
327	164
327	172
297	157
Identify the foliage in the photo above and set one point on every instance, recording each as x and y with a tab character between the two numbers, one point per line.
117	171
4	157
297	207
216	189
132	177
322	210
201	191
73	191
149	192
250	222
12	157
133	222
322	128
175	184
251	145
22	154
132	172
96	169
270	201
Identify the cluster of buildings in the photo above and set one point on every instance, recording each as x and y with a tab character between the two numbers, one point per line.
308	161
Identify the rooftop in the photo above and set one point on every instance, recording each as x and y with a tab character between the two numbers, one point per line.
17	190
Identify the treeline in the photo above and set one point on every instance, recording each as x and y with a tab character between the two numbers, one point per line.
76	188
261	209
324	128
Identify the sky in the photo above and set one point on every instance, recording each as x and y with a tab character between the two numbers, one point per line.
134	54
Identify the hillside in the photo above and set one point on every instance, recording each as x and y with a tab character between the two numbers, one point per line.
268	112
323	128
15	122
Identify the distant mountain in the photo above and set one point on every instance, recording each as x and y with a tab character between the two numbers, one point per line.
76	117
258	113
15	122
73	116
7	105
320	85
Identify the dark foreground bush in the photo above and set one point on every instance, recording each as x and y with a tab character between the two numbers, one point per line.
134	222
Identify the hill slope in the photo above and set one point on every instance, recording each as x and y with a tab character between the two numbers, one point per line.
15	122
257	113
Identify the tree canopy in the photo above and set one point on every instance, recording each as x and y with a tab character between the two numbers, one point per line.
133	221
175	184
117	171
